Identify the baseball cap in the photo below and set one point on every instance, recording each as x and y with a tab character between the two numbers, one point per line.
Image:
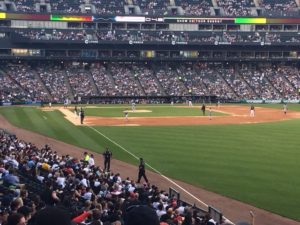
140	214
53	215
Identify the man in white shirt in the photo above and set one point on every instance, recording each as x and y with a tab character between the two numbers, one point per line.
91	161
61	180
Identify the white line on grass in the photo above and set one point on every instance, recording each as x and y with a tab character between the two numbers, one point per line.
133	155
45	117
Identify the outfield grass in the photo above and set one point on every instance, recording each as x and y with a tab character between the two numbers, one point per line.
160	111
257	163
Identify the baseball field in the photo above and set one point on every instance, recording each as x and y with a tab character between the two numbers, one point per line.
253	160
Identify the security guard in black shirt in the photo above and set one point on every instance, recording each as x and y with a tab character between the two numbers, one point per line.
142	171
81	116
107	157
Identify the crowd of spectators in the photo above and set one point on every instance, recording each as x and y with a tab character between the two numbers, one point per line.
195	7
147	79
104	84
65	6
192	80
108	7
54	79
39	187
25	5
291	74
260	84
152	7
80	82
266	81
57	35
11	90
24	76
236	7
279	8
132	36
171	81
161	7
237	83
126	83
277	76
213	81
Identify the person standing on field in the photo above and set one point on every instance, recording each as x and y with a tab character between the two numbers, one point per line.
285	108
252	111
133	106
81	116
107	157
126	115
203	109
142	171
76	111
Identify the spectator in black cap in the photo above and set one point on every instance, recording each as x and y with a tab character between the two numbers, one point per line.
16	219
51	216
26	212
140	215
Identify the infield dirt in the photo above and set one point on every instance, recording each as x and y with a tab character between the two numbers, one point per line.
235	115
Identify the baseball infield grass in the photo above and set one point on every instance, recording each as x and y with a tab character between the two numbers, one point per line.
147	111
257	164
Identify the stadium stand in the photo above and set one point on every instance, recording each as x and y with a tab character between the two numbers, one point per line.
26	78
54	79
236	7
103	81
57	82
40	187
151	7
171	81
195	8
160	7
125	82
159	36
87	53
282	8
80	81
109	7
10	90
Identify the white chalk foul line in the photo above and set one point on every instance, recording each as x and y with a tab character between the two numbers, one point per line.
133	155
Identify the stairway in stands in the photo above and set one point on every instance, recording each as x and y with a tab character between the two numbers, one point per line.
6	73
137	80
94	86
248	85
228	85
39	79
70	91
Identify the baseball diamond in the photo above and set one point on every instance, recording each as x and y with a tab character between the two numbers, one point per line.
259	140
149	112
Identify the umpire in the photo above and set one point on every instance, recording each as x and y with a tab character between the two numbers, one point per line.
203	109
81	116
142	172
107	157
